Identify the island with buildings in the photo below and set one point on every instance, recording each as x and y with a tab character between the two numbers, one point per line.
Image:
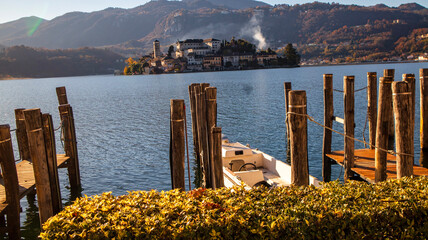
196	55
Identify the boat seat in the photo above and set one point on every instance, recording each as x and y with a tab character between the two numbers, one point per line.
236	164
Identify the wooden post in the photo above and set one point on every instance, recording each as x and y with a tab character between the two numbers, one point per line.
423	81
33	122
348	86
62	95
21	135
70	146
372	106
192	101
328	122
382	127
199	124
11	185
410	80
217	156
211	104
204	137
402	114
287	89
298	138
49	136
390	73
177	144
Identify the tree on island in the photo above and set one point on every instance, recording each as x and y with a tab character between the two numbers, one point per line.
291	55
237	46
170	50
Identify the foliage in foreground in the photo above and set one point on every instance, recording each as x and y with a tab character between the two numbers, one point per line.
395	209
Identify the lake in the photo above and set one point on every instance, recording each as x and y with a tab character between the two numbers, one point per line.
122	122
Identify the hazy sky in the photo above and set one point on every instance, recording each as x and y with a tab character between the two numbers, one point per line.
14	9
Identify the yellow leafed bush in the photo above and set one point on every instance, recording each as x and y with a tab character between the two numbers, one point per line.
396	209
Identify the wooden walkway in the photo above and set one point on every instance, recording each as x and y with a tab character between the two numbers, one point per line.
365	164
26	179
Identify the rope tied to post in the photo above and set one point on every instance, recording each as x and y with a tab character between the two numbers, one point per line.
355	139
355	91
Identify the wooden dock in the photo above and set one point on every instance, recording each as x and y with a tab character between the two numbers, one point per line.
364	164
37	169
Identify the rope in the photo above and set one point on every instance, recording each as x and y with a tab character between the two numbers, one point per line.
355	91
355	139
13	130
60	126
365	126
187	149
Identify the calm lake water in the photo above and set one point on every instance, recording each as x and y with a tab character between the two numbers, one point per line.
122	122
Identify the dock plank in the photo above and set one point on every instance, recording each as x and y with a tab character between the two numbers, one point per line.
27	182
365	164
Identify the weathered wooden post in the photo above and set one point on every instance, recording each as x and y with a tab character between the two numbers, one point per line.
217	156
402	113
410	80
328	122
298	138
70	146
382	127
21	135
36	141
390	73
203	136
62	95
348	96
423	81
11	185
177	144
287	89
211	104
197	88
372	106
49	137
192	101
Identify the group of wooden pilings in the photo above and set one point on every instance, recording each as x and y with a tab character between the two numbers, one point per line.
207	138
39	162
391	118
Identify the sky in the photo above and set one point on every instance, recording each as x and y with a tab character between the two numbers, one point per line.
11	10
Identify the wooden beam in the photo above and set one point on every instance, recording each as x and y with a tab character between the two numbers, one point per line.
402	99
423	81
177	144
382	127
21	135
298	138
348	95
217	156
372	106
211	105
390	73
328	122
62	95
287	89
10	177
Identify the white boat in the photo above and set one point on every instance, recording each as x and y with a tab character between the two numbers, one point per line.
251	167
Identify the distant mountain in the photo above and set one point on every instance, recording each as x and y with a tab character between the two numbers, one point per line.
411	7
107	27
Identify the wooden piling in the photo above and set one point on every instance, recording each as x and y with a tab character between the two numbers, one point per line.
348	86
49	137
62	95
217	158
328	122
410	80
192	101
402	113
372	106
10	178
70	145
203	136
36	141
177	144
382	127
287	89
211	105
298	138
199	124
21	135
390	73
423	81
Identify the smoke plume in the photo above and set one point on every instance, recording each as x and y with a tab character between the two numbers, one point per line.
253	29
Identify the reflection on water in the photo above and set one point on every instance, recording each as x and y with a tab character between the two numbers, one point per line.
122	122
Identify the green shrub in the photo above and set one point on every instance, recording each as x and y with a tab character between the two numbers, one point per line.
396	209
